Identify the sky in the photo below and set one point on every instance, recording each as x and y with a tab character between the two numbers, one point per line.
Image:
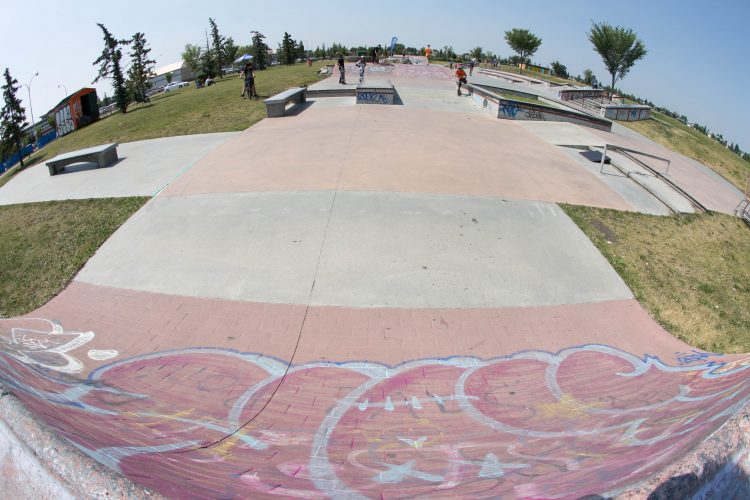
698	60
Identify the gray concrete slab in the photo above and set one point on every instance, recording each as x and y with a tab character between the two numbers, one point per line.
379	250
261	247
632	192
660	189
144	168
561	133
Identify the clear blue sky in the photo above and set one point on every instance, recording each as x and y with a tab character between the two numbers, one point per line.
698	61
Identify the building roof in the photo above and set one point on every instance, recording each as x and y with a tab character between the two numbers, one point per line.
167	69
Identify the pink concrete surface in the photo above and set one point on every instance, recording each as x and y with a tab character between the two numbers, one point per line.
393	148
208	398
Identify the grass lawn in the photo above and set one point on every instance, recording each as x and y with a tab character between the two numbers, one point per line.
690	272
218	108
45	244
678	137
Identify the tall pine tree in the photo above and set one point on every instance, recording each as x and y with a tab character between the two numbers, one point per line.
287	49
12	116
109	67
260	51
218	46
140	68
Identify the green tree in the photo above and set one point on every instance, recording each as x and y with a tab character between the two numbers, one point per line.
559	69
588	76
619	48
12	116
231	50
301	53
140	68
523	42
208	65
191	56
286	49
476	53
260	51
218	42
109	67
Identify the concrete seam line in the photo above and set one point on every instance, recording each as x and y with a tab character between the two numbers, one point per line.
304	317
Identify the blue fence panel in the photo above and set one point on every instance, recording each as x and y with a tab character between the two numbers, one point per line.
47	138
26	151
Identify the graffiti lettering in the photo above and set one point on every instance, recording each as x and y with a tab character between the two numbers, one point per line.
64	121
694	356
364	429
534	115
372	97
509	109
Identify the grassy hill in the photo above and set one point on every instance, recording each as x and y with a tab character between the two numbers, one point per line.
218	108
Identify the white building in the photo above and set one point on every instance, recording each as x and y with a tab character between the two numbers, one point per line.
179	72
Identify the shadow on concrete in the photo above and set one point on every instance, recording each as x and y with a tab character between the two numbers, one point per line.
87	165
298	108
716	481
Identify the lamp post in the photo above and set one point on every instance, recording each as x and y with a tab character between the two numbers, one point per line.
31	110
64	88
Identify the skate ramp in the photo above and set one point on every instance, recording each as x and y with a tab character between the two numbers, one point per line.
392	309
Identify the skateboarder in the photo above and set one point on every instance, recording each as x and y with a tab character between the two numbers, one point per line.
342	75
460	78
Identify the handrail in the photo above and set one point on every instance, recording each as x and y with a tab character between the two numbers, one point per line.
625	152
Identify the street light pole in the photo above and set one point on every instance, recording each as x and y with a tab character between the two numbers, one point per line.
31	109
64	87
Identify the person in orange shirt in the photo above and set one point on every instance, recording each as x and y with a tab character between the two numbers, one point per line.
460	78
428	53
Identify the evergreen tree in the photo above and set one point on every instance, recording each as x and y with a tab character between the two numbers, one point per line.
260	51
12	116
287	50
231	51
208	67
301	53
109	67
218	47
559	69
140	68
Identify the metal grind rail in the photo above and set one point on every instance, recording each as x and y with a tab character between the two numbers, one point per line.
629	154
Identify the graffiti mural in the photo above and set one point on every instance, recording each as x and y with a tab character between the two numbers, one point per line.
44	343
205	422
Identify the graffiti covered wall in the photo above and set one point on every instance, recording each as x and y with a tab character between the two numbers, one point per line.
205	422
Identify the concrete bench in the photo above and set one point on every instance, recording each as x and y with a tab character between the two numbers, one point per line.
103	155
276	105
375	92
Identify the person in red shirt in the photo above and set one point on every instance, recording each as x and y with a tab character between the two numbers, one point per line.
460	78
428	53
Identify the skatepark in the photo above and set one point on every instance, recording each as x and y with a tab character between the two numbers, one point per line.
374	301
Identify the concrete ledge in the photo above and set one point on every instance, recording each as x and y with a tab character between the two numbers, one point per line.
37	463
719	467
511	109
276	105
376	92
103	155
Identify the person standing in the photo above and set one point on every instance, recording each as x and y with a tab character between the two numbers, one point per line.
342	74
361	63
471	65
428	53
248	74
460	78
